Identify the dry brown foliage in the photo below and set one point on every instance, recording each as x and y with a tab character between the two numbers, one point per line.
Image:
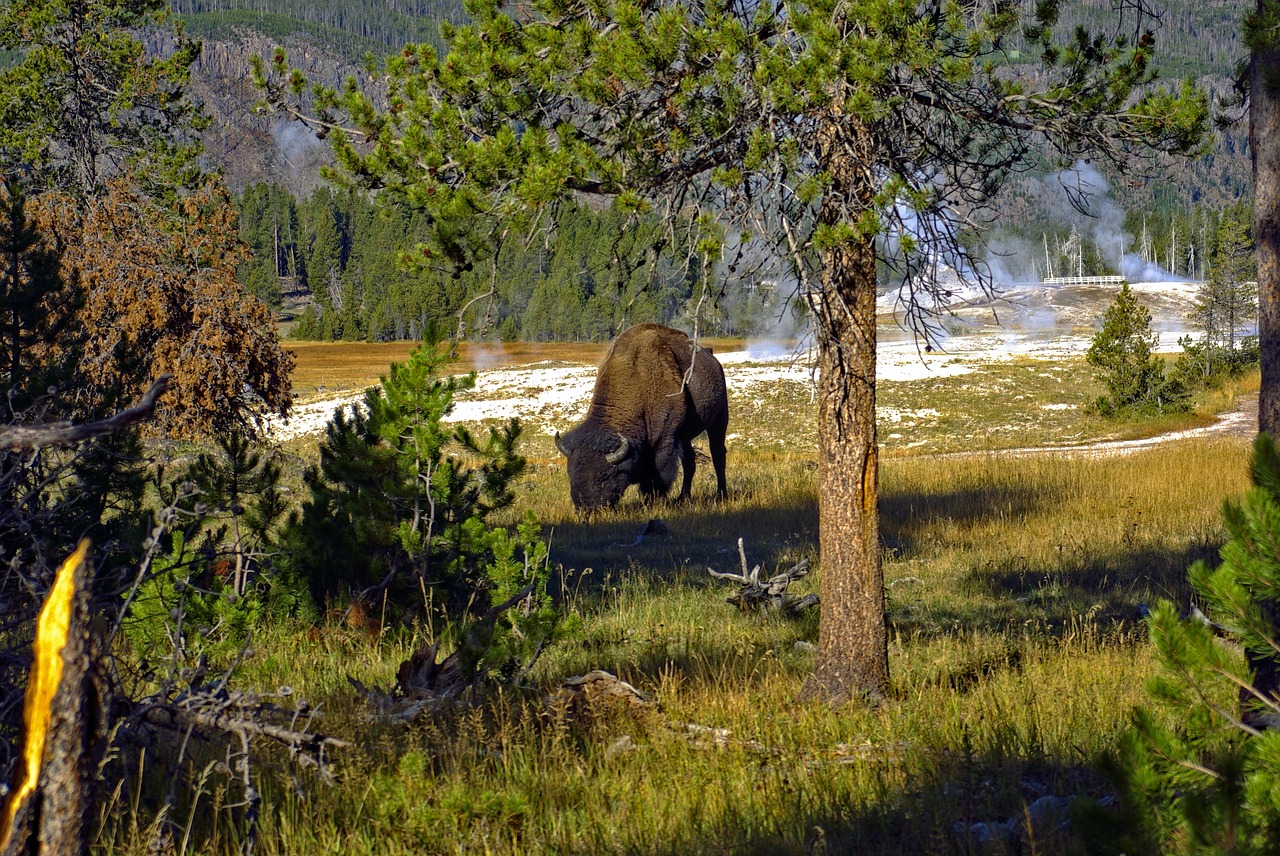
161	297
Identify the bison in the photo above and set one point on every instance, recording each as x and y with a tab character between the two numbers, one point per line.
655	392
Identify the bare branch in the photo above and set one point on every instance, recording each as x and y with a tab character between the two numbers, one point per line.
17	438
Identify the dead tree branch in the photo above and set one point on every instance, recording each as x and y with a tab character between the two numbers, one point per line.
18	438
245	716
755	595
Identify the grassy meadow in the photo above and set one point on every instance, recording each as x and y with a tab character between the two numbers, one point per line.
1015	588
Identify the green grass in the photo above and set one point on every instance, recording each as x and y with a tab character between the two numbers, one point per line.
1014	590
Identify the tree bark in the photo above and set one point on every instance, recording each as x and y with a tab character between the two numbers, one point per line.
1264	144
853	654
65	732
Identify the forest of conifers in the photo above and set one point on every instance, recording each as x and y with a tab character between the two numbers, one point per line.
335	262
591	276
350	27
1194	38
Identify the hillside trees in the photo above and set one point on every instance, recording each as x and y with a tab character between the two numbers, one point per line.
587	278
86	101
377	25
269	227
1227	303
822	127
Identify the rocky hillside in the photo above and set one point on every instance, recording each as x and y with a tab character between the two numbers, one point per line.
1199	39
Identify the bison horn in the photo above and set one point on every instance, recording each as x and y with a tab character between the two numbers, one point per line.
619	453
560	445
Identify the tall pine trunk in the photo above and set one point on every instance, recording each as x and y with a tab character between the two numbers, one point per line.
853	655
1264	144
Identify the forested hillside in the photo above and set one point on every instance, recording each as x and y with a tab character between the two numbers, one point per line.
350	27
338	259
329	41
330	257
1193	38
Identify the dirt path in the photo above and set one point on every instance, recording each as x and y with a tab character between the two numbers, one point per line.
1241	421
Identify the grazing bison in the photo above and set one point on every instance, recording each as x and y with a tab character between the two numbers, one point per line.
655	392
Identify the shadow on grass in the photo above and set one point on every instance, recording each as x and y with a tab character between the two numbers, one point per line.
905	514
1116	585
697	655
663	540
1107	592
705	533
955	804
1003	593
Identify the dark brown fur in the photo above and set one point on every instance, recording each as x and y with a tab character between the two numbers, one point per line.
657	390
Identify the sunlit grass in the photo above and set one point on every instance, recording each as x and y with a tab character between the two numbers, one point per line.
1014	589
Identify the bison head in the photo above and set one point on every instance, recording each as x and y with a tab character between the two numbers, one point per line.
600	465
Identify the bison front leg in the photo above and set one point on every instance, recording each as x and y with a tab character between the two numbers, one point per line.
666	457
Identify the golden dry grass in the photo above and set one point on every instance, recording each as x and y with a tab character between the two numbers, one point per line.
355	365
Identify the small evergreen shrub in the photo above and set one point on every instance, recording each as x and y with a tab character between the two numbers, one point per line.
219	576
1208	365
1205	776
503	643
401	501
1122	352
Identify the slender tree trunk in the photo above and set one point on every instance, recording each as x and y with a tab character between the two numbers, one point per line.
13	257
853	654
1264	143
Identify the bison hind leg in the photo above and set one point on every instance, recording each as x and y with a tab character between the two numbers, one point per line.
715	439
688	465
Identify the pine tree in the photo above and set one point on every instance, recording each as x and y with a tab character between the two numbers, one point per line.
1227	302
1209	780
1233	278
821	127
1122	351
86	102
400	499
